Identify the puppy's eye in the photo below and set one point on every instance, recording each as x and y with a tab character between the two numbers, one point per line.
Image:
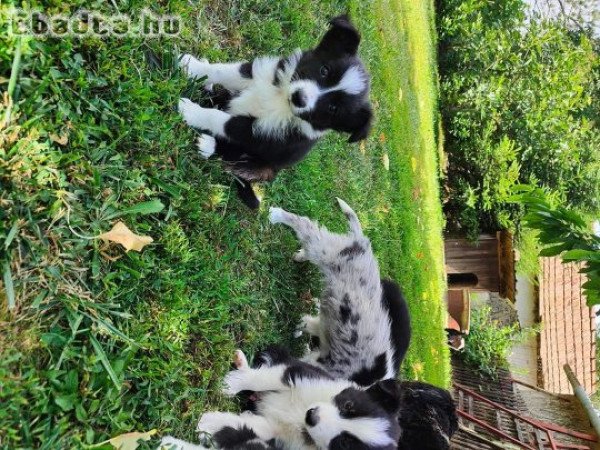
324	71
332	108
348	406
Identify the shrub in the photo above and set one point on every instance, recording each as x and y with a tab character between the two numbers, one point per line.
488	346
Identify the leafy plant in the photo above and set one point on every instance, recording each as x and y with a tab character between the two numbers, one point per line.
488	345
563	232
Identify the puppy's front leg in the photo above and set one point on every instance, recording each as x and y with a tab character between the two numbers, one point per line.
258	380
208	119
232	76
217	123
220	424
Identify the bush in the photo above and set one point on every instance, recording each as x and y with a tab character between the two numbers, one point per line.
517	104
488	346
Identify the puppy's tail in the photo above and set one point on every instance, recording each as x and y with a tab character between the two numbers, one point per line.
247	194
352	217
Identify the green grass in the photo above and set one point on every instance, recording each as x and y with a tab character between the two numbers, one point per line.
529	247
163	323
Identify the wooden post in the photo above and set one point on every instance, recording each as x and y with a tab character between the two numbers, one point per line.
583	398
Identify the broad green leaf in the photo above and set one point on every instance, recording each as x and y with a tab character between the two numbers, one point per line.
150	207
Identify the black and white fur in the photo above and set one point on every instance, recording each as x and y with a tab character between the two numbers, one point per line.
363	324
300	406
277	108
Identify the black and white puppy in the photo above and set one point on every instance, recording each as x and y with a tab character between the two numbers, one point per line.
363	324
277	108
300	406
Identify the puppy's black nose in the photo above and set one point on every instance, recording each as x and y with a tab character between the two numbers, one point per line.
312	417
298	99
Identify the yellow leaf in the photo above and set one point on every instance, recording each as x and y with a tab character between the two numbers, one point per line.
362	147
400	94
128	441
62	140
386	161
127	238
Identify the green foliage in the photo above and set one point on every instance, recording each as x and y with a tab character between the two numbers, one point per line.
488	345
98	342
563	232
528	246
517	104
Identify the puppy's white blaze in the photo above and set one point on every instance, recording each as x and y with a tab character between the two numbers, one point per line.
353	82
370	430
206	145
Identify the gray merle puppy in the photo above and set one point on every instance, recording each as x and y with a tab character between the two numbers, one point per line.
363	324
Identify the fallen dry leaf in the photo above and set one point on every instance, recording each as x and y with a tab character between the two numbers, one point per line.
382	138
61	140
127	238
386	161
128	441
362	147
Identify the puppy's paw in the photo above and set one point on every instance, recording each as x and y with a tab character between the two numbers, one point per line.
193	66
300	256
236	381
240	361
206	145
171	443
276	215
189	110
310	324
213	422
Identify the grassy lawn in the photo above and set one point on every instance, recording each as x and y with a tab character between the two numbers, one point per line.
102	341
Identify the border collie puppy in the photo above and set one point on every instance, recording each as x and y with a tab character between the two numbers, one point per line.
363	325
303	407
300	406
277	108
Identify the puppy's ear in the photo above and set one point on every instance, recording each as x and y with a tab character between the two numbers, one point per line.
341	38
365	119
387	394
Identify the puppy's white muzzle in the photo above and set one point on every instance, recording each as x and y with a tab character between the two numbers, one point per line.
304	95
